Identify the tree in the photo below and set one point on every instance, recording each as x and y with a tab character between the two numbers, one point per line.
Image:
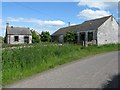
45	36
70	37
35	38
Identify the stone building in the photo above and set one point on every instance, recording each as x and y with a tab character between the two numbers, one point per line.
97	31
18	35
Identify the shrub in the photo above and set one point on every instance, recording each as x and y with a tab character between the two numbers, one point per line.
70	37
45	36
35	37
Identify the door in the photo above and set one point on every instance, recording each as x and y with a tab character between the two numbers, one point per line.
82	36
26	39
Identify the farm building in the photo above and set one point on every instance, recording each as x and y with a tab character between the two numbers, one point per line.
97	31
18	35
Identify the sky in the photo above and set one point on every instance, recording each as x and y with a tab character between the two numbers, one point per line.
50	16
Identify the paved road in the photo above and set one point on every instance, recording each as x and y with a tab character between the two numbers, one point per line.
91	72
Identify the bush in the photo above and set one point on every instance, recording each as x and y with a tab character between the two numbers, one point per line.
35	37
70	37
45	36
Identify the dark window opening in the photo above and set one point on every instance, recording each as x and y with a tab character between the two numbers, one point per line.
90	36
16	38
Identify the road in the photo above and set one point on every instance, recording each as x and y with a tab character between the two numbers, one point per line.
90	72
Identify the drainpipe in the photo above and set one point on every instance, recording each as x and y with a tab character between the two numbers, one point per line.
97	36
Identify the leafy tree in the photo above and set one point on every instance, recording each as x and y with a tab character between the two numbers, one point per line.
45	36
35	38
70	37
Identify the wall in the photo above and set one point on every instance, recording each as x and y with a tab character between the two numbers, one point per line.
10	39
108	32
61	39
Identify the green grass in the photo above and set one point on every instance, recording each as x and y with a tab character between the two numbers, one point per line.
4	45
24	62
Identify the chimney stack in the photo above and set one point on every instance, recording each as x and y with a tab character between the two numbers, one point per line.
7	24
68	24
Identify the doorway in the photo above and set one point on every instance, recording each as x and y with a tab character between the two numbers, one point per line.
26	39
82	36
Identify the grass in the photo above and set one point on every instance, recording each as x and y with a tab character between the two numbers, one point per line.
23	62
4	45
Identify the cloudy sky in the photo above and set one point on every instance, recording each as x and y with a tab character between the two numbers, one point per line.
50	16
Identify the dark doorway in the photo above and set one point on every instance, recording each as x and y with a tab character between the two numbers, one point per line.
26	39
82	36
90	36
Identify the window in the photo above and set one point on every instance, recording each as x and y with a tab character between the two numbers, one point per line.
16	38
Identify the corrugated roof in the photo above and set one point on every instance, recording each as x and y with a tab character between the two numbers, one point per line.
18	31
93	24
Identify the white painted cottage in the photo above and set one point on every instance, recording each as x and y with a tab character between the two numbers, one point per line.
18	35
98	31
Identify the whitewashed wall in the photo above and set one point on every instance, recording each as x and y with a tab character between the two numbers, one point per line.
10	39
61	39
30	39
108	32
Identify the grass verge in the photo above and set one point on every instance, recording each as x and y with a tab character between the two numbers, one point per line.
23	62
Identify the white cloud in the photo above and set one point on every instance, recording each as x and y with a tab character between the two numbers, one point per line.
98	0
39	25
99	5
73	24
2	28
39	30
92	14
37	21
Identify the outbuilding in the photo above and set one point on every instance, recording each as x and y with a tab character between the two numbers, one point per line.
96	31
18	35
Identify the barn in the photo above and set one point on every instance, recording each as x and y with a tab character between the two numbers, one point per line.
96	31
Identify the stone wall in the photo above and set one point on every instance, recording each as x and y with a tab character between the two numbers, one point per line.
108	32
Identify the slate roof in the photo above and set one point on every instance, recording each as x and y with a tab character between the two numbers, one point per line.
18	31
93	24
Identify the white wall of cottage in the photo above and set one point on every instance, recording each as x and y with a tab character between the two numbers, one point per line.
108	32
10	39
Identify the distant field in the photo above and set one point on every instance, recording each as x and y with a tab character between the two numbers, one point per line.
22	62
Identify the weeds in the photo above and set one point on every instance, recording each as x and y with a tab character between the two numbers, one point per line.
22	62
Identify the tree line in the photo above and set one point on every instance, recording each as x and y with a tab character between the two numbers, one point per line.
44	37
70	37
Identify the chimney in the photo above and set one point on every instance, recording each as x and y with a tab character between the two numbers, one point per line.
11	26
7	24
68	24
